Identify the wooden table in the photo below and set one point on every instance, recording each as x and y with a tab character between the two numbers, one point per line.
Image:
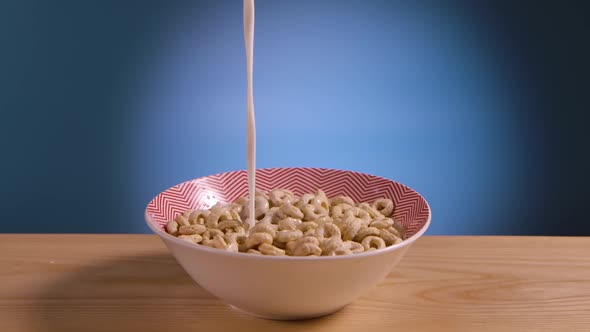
82	283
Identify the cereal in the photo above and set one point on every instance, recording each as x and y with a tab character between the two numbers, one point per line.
192	229
308	226
279	197
172	227
382	223
198	216
269	249
228	224
313	212
349	227
374	242
388	237
373	213
289	224
290	235
285	224
182	220
321	200
337	211
256	239
341	200
273	215
384	206
289	210
265	228
210	233
307	249
355	247
366	231
195	238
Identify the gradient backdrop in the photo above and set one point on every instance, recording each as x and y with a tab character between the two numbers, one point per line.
478	105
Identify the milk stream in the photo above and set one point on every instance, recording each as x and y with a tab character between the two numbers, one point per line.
251	125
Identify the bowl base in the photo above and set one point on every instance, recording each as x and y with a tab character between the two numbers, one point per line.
279	317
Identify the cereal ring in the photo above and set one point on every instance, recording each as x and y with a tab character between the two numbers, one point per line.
243	201
373	242
261	193
358	213
172	227
235	215
210	233
228	224
289	224
287	236
366	231
261	206
331	244
195	238
187	213
239	230
373	213
305	200
341	252
389	238
341	199
355	247
253	251
279	197
264	228
313	212
256	239
192	229
219	206
198	216
269	249
217	242
384	206
273	215
307	239
307	225
235	238
235	207
394	232
289	210
339	210
323	220
307	249
327	231
181	220
233	247
382	223
321	200
217	215
400	228
349	227
280	245
291	245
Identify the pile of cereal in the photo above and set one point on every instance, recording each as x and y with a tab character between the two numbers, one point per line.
310	225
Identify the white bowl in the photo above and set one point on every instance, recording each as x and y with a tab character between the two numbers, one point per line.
285	287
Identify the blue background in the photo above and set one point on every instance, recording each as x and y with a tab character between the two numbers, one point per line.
478	105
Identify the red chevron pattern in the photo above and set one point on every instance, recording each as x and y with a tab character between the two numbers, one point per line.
410	208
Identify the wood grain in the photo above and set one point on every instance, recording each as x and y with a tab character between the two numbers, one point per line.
131	283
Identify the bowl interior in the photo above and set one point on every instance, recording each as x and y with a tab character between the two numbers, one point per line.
202	193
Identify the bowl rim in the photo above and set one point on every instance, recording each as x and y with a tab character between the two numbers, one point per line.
214	251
